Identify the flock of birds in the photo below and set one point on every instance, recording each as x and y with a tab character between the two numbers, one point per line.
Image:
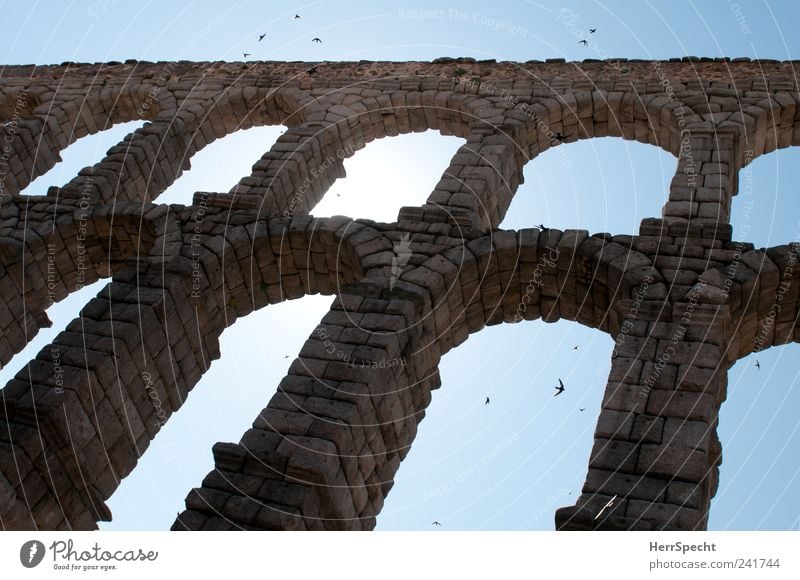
586	42
264	35
318	40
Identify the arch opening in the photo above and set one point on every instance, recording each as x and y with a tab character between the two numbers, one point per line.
525	452
766	189
760	410
149	497
74	157
213	166
389	174
61	314
557	194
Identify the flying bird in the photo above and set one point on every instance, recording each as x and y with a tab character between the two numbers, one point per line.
436	524
316	40
605	507
592	30
575	347
297	17
582	410
584	42
286	356
758	365
261	37
541	226
246	54
487	401
559	388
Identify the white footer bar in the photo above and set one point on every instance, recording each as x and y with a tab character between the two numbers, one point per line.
390	555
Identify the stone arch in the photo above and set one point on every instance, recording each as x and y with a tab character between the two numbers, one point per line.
250	265
17	102
17	106
526	275
654	442
763	123
323	453
104	357
57	121
630	115
105	251
486	172
761	288
335	128
60	247
154	156
740	128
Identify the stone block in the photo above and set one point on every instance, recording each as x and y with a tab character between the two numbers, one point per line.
614	455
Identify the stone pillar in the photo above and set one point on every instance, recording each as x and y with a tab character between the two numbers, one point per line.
76	419
140	167
324	452
300	167
476	190
656	452
57	247
707	176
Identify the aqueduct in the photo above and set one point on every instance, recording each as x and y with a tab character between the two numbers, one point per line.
682	300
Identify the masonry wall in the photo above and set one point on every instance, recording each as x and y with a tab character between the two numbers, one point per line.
682	300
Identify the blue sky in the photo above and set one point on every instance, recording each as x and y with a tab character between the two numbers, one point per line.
510	464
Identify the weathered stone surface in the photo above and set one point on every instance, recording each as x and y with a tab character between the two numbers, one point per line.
681	300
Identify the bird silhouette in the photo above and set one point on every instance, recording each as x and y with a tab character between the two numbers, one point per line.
541	226
312	70
487	401
246	54
559	388
575	347
286	356
316	40
584	42
582	410
436	524
297	17
261	37
592	30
